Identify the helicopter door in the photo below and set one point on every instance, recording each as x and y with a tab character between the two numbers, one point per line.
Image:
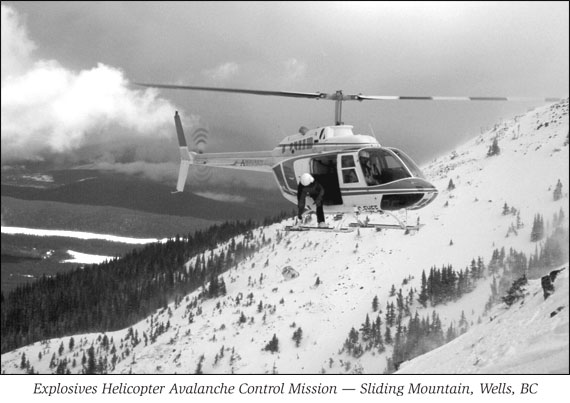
324	170
348	173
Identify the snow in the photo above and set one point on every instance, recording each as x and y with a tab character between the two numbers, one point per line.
528	338
353	268
78	235
84	258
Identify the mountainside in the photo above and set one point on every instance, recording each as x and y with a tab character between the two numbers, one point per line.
529	337
343	290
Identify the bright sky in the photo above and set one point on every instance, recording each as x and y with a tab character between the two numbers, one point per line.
67	69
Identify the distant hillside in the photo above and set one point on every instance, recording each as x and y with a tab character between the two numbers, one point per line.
27	258
47	214
134	193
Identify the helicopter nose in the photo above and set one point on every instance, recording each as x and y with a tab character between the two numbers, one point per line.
427	199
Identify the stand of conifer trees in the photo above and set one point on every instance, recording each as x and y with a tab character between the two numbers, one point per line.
118	293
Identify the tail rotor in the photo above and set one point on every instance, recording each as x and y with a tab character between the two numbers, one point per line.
201	173
200	139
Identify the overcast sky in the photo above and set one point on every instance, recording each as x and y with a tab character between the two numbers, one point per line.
68	68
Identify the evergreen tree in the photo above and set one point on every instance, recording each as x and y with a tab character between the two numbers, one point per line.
91	363
400	302
558	191
537	232
519	221
463	324
52	362
451	334
474	270
378	340
273	345
297	336
390	369
351	341
222	290
450	185
198	370
61	367
388	335
375	303
494	289
398	354
516	291
390	314
242	318
366	329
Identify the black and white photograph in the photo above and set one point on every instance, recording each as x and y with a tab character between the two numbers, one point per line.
378	190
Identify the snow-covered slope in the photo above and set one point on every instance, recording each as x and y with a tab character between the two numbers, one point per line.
530	337
341	273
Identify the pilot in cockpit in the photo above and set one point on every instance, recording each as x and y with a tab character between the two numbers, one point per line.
371	171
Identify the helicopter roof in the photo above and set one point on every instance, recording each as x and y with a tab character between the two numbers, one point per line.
328	135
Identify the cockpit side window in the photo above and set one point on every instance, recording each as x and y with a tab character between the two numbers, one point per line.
347	161
381	166
370	167
348	169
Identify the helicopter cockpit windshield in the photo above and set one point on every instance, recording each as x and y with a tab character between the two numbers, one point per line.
409	163
381	166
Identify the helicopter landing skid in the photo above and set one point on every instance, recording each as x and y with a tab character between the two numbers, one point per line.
379	226
386	226
310	228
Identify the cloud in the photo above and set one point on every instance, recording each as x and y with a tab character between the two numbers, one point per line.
16	46
48	108
222	197
158	172
223	72
295	69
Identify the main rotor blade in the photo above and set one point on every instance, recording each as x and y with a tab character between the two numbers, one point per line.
339	96
312	95
361	97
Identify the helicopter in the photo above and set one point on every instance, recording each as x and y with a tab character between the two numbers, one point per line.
358	174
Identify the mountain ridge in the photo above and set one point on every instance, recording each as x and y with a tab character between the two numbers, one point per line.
340	275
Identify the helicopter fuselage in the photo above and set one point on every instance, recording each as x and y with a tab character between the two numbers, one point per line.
358	174
355	170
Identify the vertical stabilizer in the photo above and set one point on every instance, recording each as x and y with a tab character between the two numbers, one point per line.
186	157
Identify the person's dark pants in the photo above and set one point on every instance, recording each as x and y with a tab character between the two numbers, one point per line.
320	213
